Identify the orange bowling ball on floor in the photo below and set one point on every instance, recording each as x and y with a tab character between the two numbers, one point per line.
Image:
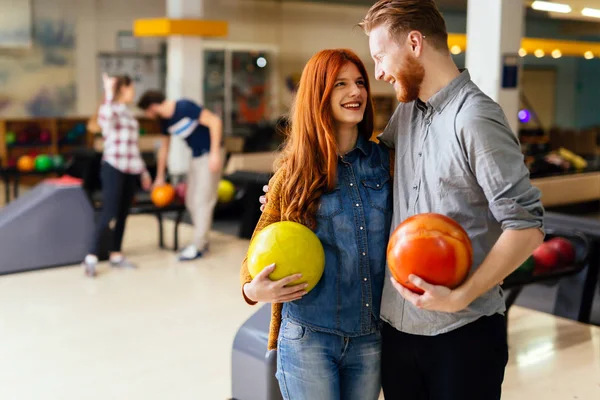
162	196
26	163
431	246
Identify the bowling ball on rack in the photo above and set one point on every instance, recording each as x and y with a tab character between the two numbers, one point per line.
45	136
43	163
546	258
80	129
58	161
11	138
25	163
526	268
180	191
565	249
22	137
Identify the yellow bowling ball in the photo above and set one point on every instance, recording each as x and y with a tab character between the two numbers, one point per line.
226	191
293	248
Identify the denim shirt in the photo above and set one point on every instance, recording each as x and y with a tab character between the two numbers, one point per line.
353	223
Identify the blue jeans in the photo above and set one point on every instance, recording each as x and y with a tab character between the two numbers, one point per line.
315	365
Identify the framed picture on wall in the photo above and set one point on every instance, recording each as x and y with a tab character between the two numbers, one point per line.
126	42
16	29
146	70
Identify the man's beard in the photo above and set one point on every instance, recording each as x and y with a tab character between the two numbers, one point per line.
410	77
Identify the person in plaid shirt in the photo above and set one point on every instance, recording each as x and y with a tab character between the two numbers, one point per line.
122	164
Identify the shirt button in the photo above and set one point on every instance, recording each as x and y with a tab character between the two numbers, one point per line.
352	184
415	187
361	228
367	304
364	254
365	279
420	154
357	205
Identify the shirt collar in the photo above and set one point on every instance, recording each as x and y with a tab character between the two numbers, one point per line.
361	144
439	100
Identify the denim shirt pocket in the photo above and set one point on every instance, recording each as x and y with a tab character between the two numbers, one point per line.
379	198
330	204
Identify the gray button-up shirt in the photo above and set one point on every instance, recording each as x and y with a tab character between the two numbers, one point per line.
456	155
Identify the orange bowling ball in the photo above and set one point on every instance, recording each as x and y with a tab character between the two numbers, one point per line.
162	196
431	246
25	163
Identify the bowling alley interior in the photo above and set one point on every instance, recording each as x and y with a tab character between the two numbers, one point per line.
162	314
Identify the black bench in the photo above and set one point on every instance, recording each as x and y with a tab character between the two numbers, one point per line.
145	206
85	164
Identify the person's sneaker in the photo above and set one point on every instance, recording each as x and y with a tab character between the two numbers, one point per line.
89	266
191	252
122	262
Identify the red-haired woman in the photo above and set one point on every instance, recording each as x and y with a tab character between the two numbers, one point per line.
333	179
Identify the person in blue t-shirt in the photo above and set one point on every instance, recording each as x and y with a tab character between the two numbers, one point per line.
202	131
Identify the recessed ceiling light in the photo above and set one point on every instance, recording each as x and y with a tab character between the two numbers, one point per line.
590	12
551	7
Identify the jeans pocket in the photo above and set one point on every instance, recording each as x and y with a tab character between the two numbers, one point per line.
292	331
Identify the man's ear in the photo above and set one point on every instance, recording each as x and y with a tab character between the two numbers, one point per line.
415	40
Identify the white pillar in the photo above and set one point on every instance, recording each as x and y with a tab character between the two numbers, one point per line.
86	49
185	72
494	31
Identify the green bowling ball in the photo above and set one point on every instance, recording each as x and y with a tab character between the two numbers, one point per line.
43	163
526	269
10	137
58	161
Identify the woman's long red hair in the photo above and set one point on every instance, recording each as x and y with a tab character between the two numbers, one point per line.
309	157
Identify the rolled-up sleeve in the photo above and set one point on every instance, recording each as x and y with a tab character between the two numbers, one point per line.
495	158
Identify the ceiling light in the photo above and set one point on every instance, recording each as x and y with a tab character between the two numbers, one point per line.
588	55
455	50
539	53
556	53
590	12
551	7
522	52
261	62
